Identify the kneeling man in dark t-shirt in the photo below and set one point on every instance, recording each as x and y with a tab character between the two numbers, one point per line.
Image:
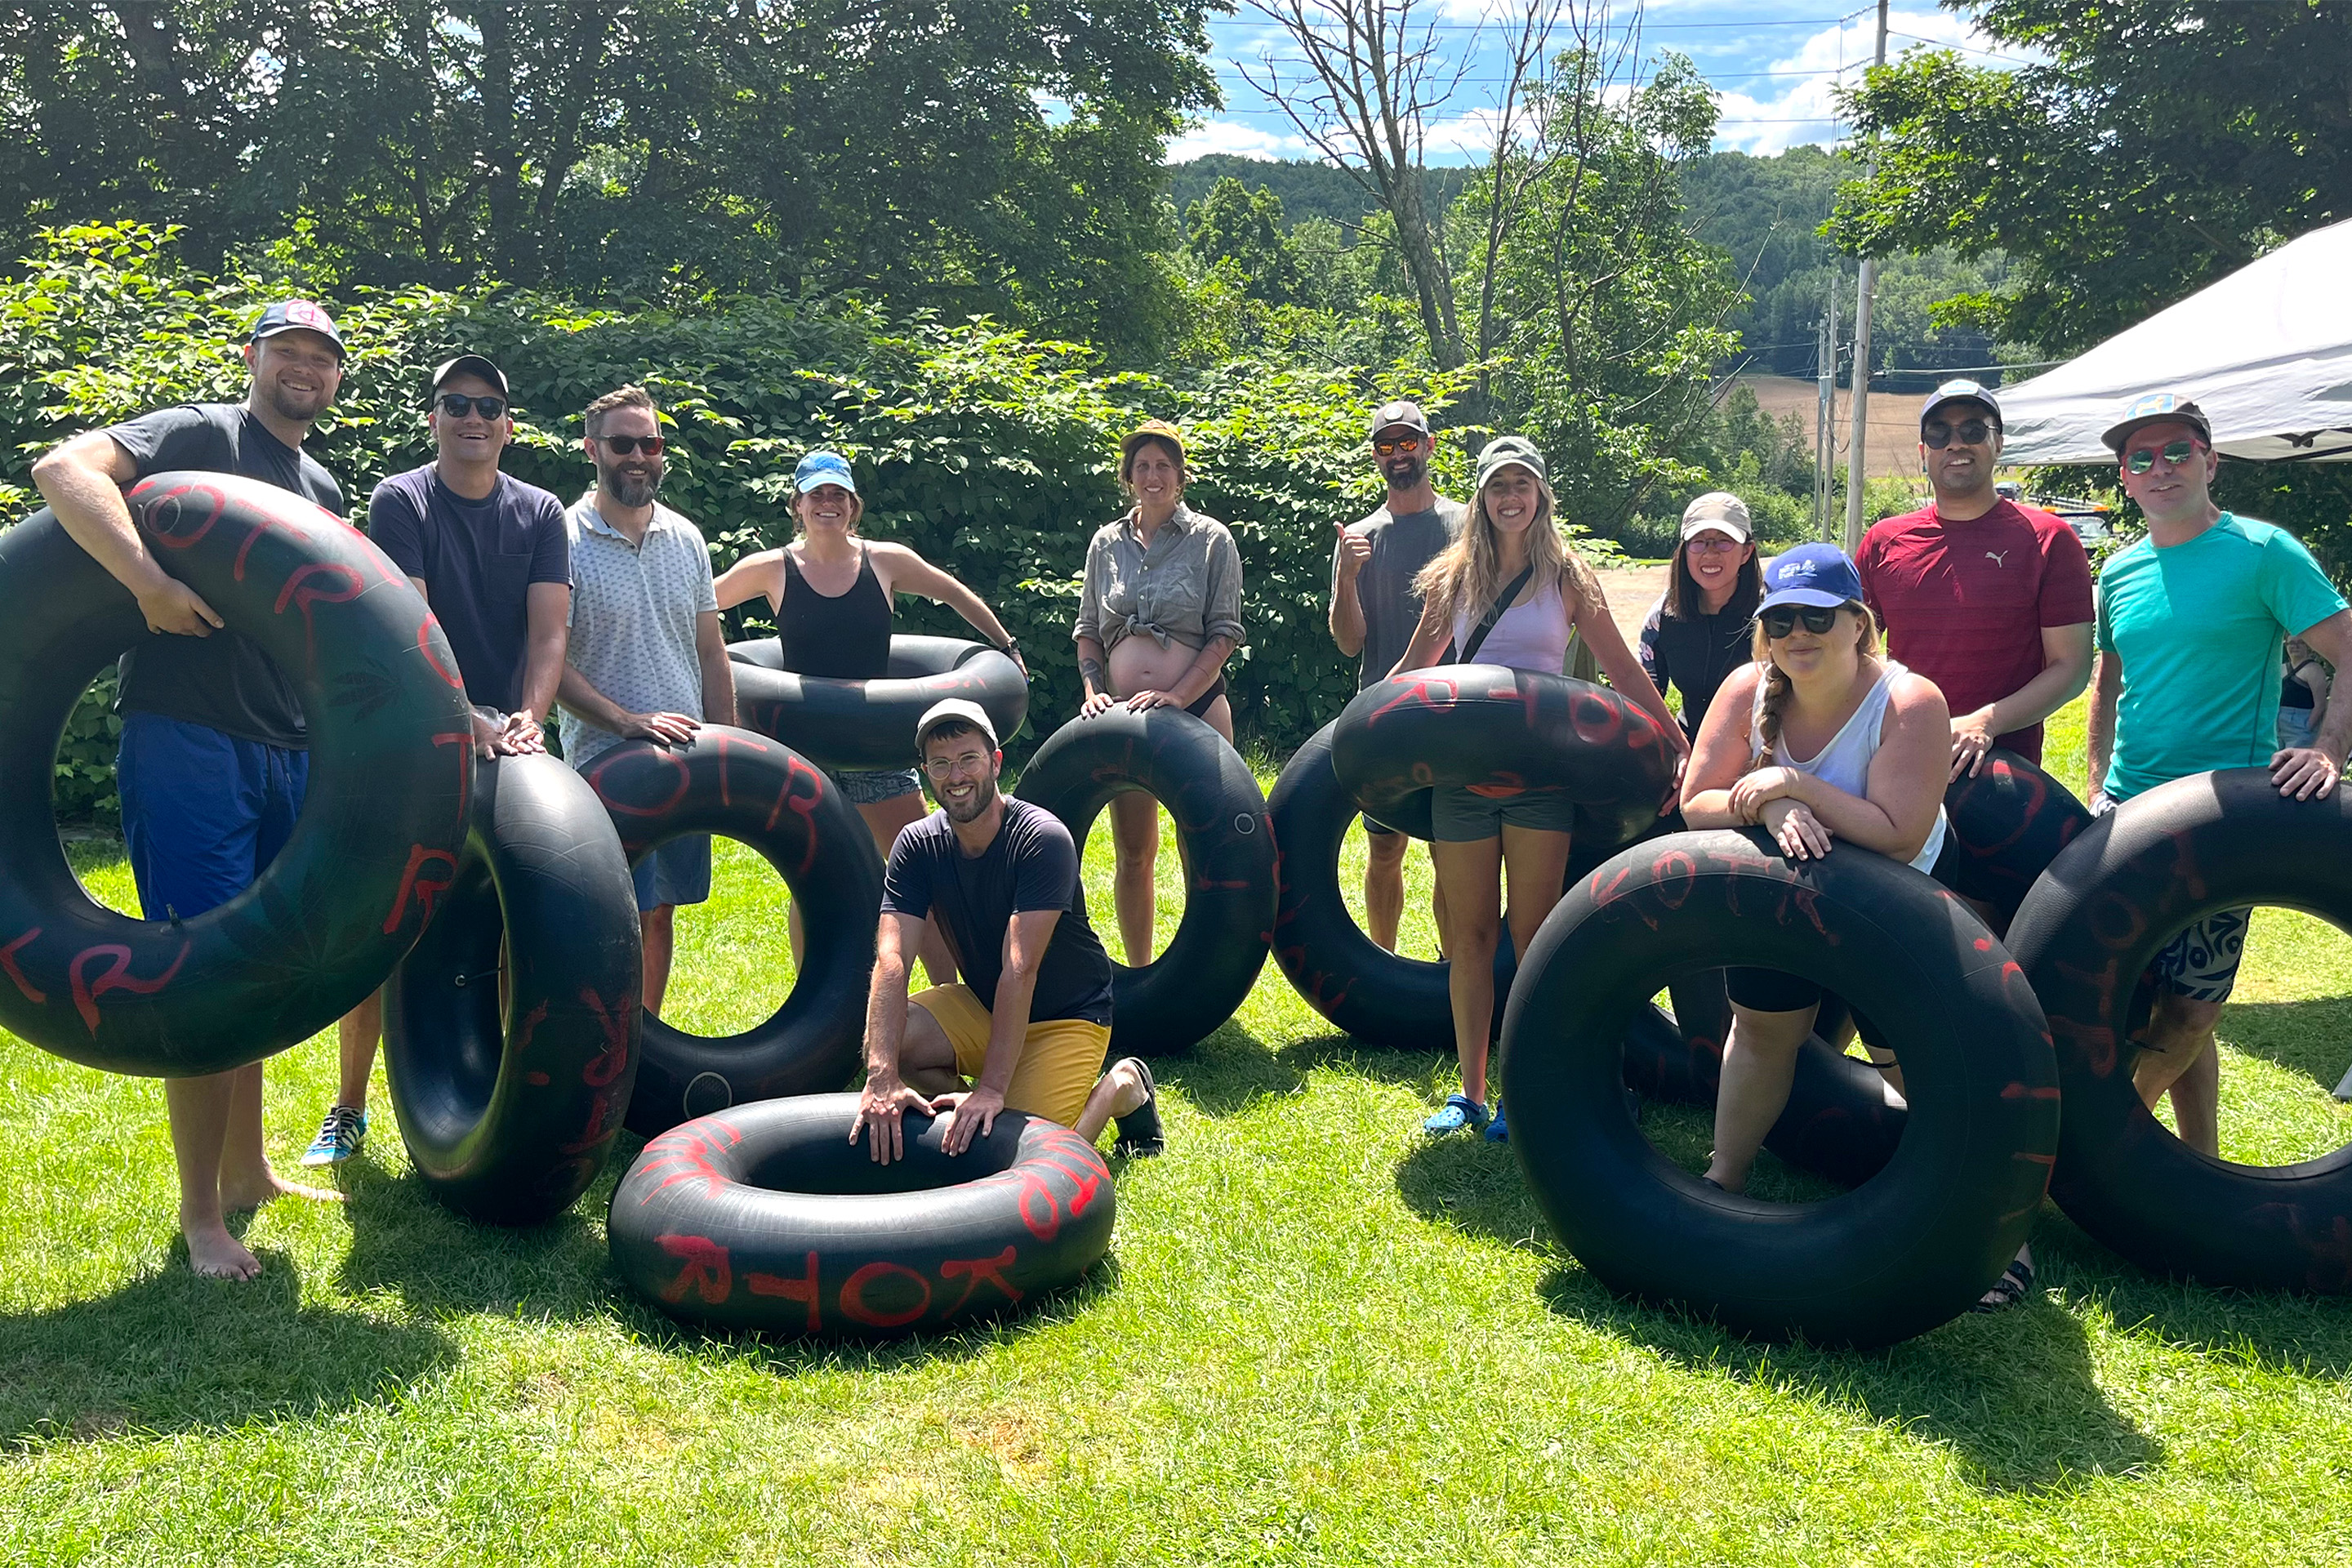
1030	1022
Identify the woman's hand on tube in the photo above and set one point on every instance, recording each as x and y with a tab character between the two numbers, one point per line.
1794	828
1753	792
1143	700
1096	706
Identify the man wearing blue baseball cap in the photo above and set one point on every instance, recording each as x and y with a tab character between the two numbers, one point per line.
1990	600
215	755
2192	619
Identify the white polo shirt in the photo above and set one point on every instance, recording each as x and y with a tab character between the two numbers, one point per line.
633	618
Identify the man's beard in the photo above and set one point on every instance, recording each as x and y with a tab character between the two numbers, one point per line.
983	795
1414	472
300	408
633	490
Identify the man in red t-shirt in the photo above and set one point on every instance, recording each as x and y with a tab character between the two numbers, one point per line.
1985	598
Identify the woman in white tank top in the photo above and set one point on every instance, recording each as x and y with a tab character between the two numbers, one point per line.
1477	840
1821	741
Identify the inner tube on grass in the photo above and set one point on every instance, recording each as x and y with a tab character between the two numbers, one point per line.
508	1110
1228	843
870	725
391	764
767	1218
1503	733
2009	822
744	787
2128	882
1910	1248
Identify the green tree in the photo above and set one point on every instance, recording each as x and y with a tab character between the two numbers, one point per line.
1245	227
2164	143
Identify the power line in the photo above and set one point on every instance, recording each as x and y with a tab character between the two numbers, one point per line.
1641	28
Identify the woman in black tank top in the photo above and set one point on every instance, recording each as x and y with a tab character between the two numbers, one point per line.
830	591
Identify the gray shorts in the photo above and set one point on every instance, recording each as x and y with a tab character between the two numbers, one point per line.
2201	963
874	788
678	872
1458	814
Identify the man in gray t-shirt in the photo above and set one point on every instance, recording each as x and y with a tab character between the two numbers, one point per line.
1374	608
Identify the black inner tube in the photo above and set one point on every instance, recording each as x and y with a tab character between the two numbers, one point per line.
509	1108
869	725
767	1218
1908	1249
391	761
1225	837
747	787
2087	935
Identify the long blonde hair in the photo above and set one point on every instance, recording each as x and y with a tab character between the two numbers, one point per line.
1777	688
1465	577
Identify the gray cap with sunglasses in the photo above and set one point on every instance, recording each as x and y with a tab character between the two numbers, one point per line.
1962	392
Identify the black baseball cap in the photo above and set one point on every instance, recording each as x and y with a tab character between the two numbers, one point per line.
474	366
297	315
1962	392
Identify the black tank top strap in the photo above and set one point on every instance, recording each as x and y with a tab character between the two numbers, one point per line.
844	636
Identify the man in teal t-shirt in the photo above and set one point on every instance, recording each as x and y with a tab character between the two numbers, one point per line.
2190	622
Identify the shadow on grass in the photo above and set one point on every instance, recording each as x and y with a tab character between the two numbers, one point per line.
174	1352
2307	1335
2013	1393
1230	1070
439	1261
2309	1037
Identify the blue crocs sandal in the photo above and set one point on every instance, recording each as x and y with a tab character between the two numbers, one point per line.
1497	1131
340	1137
1459	1112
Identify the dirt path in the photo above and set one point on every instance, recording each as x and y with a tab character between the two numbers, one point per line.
1632	590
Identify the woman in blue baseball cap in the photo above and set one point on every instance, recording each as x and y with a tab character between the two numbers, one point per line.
1823	740
830	593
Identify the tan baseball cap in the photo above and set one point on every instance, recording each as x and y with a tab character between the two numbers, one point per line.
1721	510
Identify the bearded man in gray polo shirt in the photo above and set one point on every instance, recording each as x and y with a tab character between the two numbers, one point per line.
646	655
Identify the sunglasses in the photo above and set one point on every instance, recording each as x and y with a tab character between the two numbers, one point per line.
457	405
2173	452
1938	435
1782	620
622	445
1401	444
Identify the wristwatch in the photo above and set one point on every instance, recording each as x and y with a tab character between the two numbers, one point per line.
1008	645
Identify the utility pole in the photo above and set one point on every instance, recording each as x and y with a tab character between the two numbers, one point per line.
1857	451
1825	415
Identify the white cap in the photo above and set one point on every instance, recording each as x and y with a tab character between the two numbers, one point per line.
962	708
1721	510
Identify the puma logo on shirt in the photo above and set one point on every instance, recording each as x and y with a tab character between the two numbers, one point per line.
1996	557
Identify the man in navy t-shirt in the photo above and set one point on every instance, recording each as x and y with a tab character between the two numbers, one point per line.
214	755
493	558
1030	1021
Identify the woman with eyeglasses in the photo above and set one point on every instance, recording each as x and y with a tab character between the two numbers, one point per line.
1822	740
1508	591
1697	632
1160	614
830	593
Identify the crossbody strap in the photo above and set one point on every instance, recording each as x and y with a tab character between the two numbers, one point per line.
1494	613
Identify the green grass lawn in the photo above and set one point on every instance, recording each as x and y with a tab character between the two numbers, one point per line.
1318	1340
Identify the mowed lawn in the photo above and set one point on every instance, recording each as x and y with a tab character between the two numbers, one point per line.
1320	1339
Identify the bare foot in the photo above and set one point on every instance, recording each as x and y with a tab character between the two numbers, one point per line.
250	1191
214	1254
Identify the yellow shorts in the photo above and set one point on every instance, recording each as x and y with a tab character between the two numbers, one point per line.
1061	1058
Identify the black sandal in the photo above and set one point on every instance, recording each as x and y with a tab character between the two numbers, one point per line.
1139	1134
2016	1282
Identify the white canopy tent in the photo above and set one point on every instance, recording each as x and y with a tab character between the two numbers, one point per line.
2266	352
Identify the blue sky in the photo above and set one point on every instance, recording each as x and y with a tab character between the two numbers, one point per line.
1775	65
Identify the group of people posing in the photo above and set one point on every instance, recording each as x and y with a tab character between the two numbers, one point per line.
1794	714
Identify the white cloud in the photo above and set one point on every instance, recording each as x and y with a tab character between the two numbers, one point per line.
1242	140
1790	110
